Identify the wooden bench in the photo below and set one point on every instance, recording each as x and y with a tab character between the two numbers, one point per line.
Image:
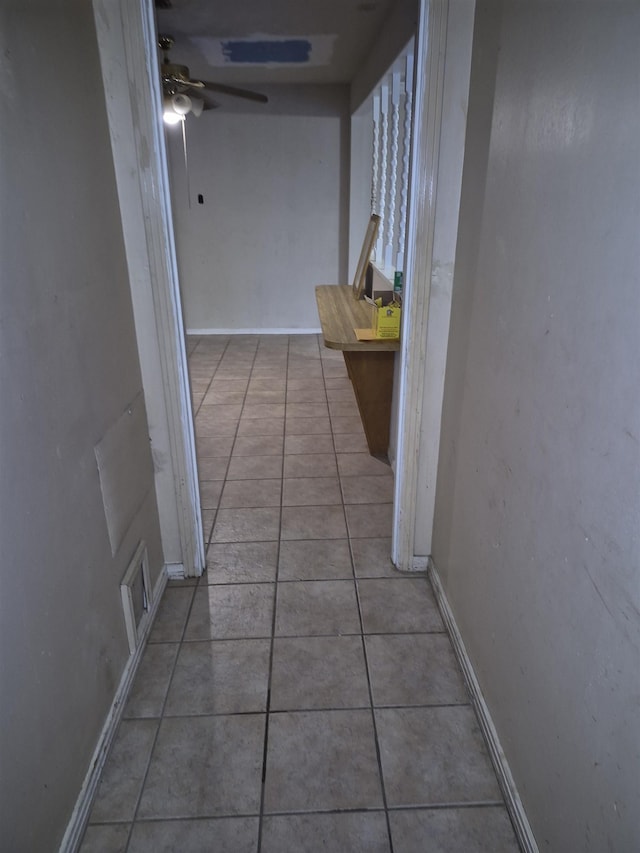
369	363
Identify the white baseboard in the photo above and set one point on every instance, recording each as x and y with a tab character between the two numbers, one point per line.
204	332
175	571
419	564
513	802
77	825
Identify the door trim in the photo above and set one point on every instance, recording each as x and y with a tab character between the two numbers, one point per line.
428	98
129	57
443	67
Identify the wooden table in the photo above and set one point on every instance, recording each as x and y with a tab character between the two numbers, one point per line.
369	363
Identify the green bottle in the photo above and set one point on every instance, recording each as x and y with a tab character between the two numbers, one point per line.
397	283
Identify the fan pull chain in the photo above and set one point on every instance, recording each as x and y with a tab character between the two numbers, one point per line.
186	162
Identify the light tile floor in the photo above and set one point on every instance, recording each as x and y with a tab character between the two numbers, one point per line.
302	696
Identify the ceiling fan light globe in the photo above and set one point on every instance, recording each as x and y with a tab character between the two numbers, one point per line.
197	105
169	115
172	117
181	104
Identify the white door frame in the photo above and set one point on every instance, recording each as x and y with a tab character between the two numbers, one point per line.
445	32
126	33
128	52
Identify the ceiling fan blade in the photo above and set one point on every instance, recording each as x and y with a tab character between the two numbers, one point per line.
209	103
176	80
235	92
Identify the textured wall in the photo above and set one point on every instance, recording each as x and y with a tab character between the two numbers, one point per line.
536	534
68	369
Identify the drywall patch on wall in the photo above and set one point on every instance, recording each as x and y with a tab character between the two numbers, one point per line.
264	51
273	51
125	468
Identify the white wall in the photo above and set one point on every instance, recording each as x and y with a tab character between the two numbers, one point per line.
536	535
274	222
68	369
360	182
450	159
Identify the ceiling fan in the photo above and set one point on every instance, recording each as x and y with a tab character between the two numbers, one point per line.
183	95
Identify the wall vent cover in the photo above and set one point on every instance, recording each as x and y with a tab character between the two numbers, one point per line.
135	589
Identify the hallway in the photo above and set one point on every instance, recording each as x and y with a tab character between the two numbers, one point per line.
302	695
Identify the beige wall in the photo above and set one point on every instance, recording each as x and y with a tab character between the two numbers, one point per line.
274	222
538	498
68	369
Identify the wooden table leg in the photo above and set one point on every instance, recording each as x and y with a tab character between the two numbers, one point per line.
371	374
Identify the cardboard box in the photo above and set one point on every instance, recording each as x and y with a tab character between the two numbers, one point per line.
385	319
387	322
377	284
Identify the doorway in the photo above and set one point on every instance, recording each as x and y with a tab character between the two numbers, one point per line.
127	41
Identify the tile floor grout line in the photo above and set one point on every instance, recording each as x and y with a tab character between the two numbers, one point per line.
362	642
300	708
228	465
314	579
197	640
207	536
443	806
372	708
273	618
160	718
453	804
333	437
296	636
195	414
371	702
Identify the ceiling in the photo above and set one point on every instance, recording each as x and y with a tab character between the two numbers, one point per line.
272	41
